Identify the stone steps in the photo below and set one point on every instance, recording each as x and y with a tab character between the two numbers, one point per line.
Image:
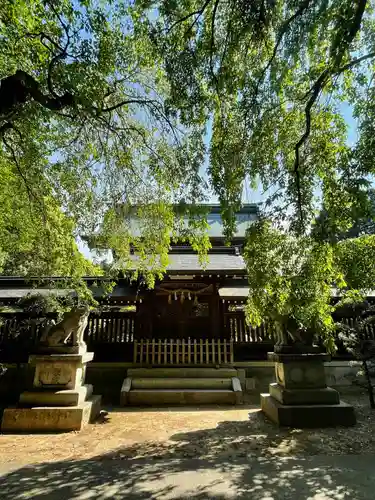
182	383
181	386
183	372
174	397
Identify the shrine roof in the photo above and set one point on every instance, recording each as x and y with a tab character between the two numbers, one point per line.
247	215
238	292
17	293
217	263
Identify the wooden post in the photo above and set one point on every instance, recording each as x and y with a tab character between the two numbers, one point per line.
159	351
240	322
177	351
183	351
207	352
141	352
225	351
135	345
213	351
215	313
165	351
189	350
153	352
147	356
195	352
201	351
219	350
231	351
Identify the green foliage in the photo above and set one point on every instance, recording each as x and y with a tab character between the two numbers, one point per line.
36	237
356	257
104	109
85	129
362	212
39	305
290	281
147	230
270	77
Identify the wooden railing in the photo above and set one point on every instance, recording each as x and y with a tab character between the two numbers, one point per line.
109	335
236	329
112	337
110	327
369	333
183	352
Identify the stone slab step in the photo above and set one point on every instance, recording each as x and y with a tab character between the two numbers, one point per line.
68	397
182	372
161	397
181	383
50	418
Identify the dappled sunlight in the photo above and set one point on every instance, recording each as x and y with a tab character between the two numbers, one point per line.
212	433
221	453
168	477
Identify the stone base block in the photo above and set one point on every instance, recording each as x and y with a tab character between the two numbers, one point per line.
51	419
63	349
69	397
59	371
302	416
304	396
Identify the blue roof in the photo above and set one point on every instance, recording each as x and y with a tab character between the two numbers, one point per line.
246	216
215	263
243	222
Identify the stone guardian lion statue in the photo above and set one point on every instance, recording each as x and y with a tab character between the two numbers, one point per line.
72	325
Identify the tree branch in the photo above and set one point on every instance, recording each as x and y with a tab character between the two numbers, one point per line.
212	44
64	26
32	86
316	89
42	35
284	28
50	69
6	126
228	32
123	103
197	13
354	62
318	86
18	88
9	126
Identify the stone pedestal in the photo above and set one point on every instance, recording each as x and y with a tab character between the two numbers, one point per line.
59	399
300	396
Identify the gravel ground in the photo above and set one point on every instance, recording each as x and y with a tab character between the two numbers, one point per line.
212	433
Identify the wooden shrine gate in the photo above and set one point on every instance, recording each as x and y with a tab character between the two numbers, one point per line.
183	352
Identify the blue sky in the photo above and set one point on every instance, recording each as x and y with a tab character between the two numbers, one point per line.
250	195
257	196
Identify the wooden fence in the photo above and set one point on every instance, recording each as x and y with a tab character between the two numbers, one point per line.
183	352
112	337
236	329
109	335
369	333
113	327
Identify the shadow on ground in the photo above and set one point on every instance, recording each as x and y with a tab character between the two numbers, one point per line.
228	462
